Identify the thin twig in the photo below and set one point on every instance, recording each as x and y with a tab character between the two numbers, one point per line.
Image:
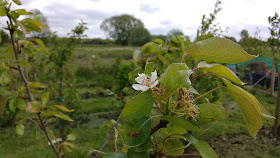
108	138
208	92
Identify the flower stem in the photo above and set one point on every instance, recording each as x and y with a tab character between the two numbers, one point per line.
208	92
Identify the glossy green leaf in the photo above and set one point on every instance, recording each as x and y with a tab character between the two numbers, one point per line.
41	43
211	112
137	131
150	48
138	106
18	2
71	137
133	154
59	115
176	76
148	69
20	129
63	108
219	50
115	155
45	99
20	103
182	122
248	106
33	107
172	146
36	85
202	147
221	71
3	101
23	12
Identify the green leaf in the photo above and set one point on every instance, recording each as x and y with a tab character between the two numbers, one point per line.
148	69
63	108
37	17
202	147
176	76
172	146
210	112
3	11
221	71
3	101
137	131
18	2
59	115
21	104
45	99
248	106
33	107
219	50
138	106
143	147
32	25
174	129
71	137
12	104
133	154
115	155
41	43
150	48
181	122
23	12
36	85
159	41
5	75
20	129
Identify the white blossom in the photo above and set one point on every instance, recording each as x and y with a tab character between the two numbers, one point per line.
144	82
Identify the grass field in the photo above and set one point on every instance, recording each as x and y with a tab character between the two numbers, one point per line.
228	138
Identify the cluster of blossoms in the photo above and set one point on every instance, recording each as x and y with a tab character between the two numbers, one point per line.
145	83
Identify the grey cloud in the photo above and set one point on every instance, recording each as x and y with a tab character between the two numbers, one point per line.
148	9
165	22
62	18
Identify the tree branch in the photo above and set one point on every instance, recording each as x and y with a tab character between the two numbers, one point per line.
27	87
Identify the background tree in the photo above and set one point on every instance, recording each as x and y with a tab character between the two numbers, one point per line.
139	36
119	27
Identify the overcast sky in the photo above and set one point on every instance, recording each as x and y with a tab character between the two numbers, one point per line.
158	16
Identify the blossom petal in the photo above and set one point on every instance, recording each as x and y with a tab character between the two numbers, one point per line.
155	83
144	88
140	78
137	87
154	76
